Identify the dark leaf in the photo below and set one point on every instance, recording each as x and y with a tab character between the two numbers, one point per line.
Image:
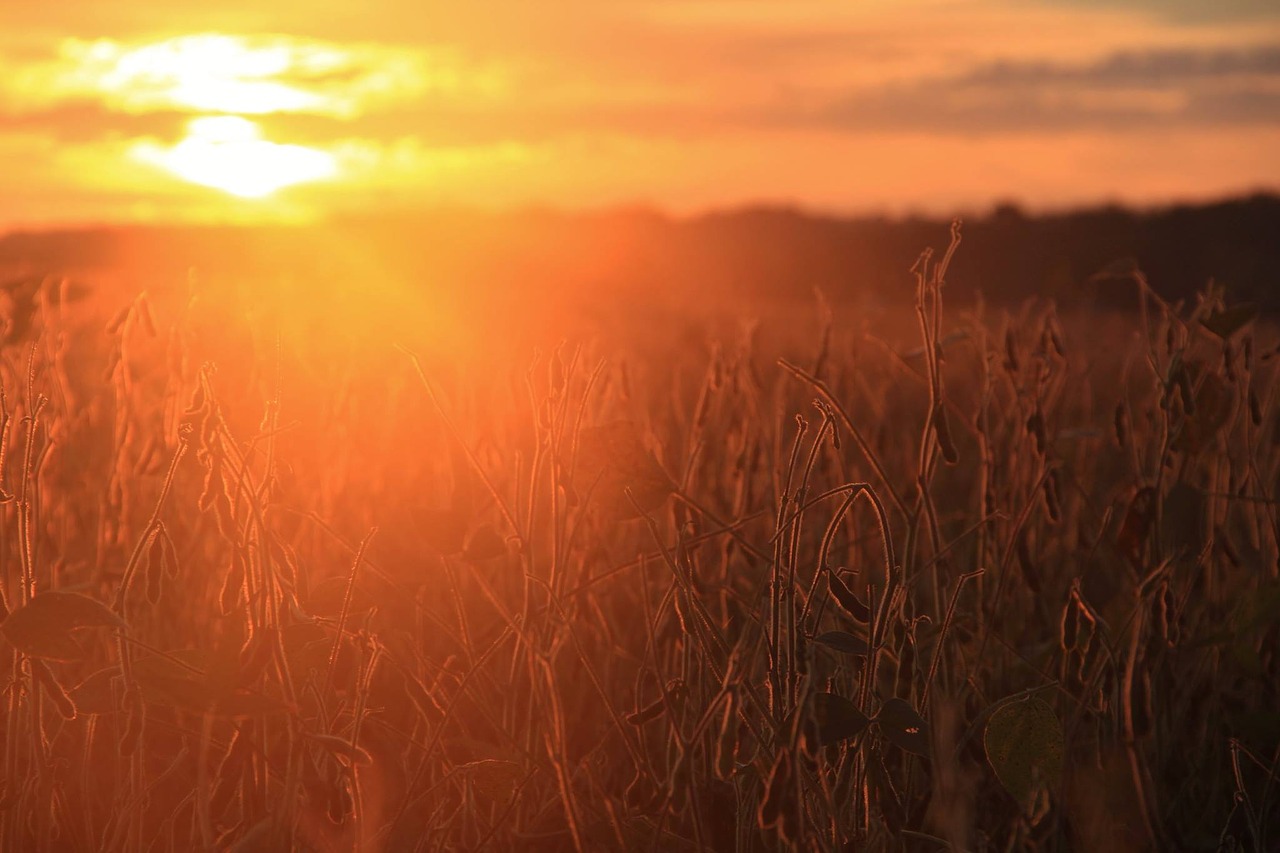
1182	524
1024	745
484	544
903	727
493	780
42	627
843	641
179	681
55	691
100	693
1136	525
1228	321
837	718
612	460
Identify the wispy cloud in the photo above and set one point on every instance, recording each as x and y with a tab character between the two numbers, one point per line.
240	74
1121	92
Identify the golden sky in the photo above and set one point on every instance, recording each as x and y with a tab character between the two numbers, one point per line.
250	111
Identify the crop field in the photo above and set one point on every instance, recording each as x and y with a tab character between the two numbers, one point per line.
320	573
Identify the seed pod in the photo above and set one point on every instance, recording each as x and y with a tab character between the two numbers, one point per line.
1035	426
556	373
1069	629
848	602
1022	548
1010	352
942	431
727	740
168	552
643	715
233	585
256	654
1121	426
1166	615
1052	501
153	568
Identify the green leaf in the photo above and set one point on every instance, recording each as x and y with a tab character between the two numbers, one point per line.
836	718
842	641
1024	746
42	627
903	726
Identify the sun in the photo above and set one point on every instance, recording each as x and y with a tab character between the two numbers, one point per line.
229	153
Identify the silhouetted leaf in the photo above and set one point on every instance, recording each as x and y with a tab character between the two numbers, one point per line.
1228	321
484	544
1182	523
612	459
1024	745
42	627
179	681
492	779
843	641
836	718
903	727
100	693
1136	525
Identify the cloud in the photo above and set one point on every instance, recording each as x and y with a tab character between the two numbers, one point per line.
217	73
1186	10
1171	88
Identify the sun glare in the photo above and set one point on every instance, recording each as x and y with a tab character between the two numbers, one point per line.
228	153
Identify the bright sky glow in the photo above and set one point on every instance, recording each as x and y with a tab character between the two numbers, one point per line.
228	153
910	105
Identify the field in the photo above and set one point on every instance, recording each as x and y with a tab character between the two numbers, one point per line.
320	570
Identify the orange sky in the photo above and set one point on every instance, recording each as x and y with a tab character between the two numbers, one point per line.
252	111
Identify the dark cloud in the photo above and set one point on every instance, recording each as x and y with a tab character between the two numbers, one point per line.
1176	88
1200	11
1151	68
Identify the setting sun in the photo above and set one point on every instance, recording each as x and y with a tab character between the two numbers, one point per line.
228	153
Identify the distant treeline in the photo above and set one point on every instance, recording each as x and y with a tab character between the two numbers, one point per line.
1082	257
